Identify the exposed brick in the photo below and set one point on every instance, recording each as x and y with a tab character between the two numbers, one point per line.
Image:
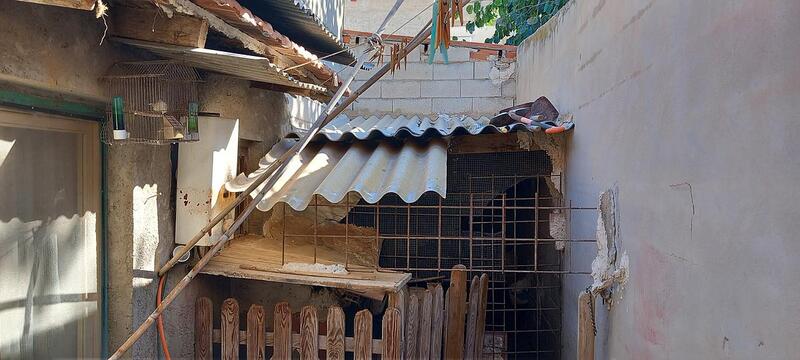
414	71
398	89
373	92
452	71
509	88
372	106
479	88
440	88
482	69
491	105
452	105
411	106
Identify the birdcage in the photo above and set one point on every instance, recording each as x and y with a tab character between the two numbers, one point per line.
153	102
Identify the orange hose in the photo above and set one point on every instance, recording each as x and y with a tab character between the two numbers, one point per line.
160	322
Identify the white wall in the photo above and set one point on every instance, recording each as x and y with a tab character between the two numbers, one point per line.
689	109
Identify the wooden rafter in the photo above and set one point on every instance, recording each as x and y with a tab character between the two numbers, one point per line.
151	24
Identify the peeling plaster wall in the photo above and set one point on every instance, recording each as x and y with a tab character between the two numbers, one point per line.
689	110
57	51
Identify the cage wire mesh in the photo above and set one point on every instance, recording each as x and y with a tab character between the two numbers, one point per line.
156	96
504	216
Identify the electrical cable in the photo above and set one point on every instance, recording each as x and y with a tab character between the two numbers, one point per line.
160	322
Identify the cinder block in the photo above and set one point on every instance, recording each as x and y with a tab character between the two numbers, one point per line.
482	69
458	54
509	88
452	71
411	106
372	106
479	88
373	92
398	89
414	71
452	105
440	88
490	105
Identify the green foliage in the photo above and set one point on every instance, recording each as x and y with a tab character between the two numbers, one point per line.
513	20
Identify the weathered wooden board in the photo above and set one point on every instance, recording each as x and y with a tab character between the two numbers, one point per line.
585	326
256	332
72	4
390	341
363	335
151	24
282	326
309	333
472	319
229	327
412	328
425	314
480	324
335	338
254	257
456	309
399	301
437	321
203	326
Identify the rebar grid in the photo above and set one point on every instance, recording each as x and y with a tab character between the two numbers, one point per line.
497	219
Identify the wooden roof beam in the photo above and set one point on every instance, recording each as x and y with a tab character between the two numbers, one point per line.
151	24
248	42
72	4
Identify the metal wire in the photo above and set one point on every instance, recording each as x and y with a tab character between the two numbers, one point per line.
497	219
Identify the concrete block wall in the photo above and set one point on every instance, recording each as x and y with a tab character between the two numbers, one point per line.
462	86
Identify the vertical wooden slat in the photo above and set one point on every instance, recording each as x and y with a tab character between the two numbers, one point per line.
256	332
585	326
425	314
203	326
412	328
456	309
399	301
363	335
390	340
437	321
282	348
309	333
335	339
480	324
229	329
472	318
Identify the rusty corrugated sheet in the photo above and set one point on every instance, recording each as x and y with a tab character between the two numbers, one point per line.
371	169
299	20
242	66
243	19
371	127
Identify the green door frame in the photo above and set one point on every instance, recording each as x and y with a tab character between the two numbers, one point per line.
51	104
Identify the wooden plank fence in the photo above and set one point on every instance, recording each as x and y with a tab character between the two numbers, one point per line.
412	327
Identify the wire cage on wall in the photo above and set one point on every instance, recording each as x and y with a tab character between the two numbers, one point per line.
153	102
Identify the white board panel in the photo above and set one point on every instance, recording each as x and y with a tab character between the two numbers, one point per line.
203	168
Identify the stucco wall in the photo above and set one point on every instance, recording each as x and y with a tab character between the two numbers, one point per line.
57	51
689	110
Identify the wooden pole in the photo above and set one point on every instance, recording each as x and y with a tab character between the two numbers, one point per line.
323	120
276	166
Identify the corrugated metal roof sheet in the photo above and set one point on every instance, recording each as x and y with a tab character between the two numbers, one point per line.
300	21
239	65
243	19
371	169
345	128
